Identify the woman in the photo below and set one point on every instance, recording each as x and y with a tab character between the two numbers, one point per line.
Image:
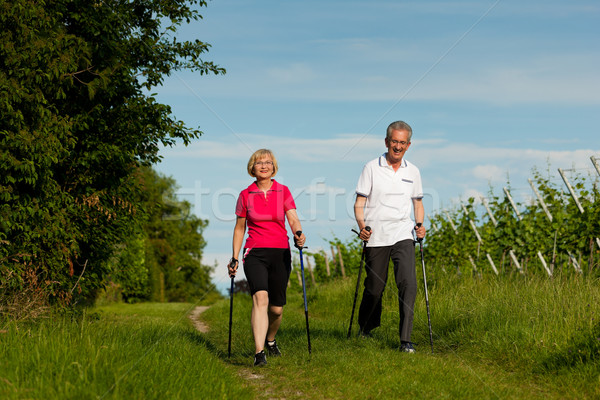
263	207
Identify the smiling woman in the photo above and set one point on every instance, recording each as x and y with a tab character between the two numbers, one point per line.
263	207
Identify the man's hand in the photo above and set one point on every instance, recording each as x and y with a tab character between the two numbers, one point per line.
232	267
420	230
365	234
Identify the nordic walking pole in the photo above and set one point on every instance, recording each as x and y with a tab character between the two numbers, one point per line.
298	233
362	258
230	316
420	240
234	261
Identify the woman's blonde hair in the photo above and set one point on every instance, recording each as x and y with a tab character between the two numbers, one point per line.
258	154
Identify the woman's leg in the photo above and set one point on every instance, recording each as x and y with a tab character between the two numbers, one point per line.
279	274
260	319
275	313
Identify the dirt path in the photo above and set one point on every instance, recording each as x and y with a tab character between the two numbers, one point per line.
246	373
195	318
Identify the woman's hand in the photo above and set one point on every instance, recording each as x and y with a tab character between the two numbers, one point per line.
299	239
232	267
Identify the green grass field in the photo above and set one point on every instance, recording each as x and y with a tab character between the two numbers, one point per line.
143	351
514	338
493	339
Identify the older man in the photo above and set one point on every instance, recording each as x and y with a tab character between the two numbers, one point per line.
387	190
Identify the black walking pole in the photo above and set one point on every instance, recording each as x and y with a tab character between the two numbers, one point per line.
362	258
303	290
230	315
420	240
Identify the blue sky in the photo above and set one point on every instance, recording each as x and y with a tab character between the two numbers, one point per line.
490	88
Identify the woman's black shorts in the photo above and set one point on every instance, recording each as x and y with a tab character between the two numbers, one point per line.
268	269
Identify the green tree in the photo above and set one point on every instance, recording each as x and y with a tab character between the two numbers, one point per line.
174	243
77	122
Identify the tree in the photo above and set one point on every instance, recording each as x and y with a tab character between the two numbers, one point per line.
77	122
163	262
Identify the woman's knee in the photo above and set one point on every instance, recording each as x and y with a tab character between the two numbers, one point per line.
275	311
261	299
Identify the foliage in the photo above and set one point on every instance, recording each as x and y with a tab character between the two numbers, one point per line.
567	240
167	255
77	123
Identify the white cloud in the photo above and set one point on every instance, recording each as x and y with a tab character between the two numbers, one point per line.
492	173
474	193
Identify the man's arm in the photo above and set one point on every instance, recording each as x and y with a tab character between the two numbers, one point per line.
359	215
419	217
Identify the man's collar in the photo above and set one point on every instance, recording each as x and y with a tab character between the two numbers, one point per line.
383	161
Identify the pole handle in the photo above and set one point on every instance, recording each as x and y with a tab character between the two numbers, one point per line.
298	233
367	228
420	240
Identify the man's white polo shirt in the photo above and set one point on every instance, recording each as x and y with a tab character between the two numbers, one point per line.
389	196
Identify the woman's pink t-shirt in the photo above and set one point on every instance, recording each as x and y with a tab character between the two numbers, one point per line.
265	215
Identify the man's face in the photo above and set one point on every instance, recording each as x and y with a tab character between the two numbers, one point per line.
397	145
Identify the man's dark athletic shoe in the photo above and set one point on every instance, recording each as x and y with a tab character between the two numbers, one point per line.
272	349
260	359
365	334
407	347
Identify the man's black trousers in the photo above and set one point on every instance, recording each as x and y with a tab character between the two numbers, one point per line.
402	255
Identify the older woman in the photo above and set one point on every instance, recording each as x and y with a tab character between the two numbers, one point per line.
263	207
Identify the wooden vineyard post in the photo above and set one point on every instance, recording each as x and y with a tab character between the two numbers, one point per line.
595	162
491	263
575	198
341	261
473	264
310	271
543	260
456	233
333	257
474	227
514	258
575	263
487	207
435	229
545	208
540	200
327	264
511	253
512	203
451	222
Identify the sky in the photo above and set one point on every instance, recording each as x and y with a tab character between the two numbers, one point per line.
492	90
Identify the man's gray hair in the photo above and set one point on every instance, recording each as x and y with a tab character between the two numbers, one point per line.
398	126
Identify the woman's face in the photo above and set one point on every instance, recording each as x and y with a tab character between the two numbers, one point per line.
263	167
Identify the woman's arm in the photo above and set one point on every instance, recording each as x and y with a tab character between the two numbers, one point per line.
295	225
238	239
238	236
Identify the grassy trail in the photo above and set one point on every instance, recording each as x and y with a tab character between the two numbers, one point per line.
481	350
494	339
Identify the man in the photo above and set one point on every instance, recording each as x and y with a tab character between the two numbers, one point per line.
388	188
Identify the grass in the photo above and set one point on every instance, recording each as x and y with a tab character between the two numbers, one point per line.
143	351
494	338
